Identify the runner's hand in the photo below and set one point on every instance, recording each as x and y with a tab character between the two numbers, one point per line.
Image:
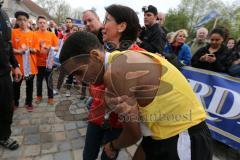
121	104
109	152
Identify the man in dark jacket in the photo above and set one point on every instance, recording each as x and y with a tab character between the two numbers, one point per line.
6	91
152	38
53	27
93	23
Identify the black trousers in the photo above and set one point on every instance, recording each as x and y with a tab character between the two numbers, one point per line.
29	90
196	142
83	89
69	81
43	73
6	106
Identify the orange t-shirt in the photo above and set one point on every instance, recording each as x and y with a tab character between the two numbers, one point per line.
20	39
47	39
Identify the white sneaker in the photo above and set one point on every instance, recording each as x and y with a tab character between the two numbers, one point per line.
68	94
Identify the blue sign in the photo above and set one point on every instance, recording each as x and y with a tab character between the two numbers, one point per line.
220	95
77	21
206	19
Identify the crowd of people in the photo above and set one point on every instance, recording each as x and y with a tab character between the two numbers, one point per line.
133	75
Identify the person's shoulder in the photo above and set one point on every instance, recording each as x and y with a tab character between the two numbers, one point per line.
185	46
120	56
167	46
157	28
36	33
134	63
225	50
15	30
31	32
156	25
191	42
203	49
137	57
224	47
51	34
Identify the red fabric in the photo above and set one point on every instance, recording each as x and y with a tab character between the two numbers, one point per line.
67	34
60	35
97	108
135	47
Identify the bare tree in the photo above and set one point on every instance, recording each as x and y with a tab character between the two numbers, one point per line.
48	5
63	10
59	9
77	13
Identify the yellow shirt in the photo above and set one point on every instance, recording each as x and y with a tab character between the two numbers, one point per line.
173	110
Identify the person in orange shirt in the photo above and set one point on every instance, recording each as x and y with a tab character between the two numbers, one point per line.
46	40
24	40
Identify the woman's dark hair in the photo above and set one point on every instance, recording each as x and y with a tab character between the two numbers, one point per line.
230	38
222	31
125	14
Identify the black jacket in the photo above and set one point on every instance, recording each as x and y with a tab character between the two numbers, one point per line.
236	54
153	39
6	52
224	59
55	31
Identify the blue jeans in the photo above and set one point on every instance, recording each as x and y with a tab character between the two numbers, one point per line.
95	137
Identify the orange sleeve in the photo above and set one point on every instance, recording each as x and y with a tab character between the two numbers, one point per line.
13	39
